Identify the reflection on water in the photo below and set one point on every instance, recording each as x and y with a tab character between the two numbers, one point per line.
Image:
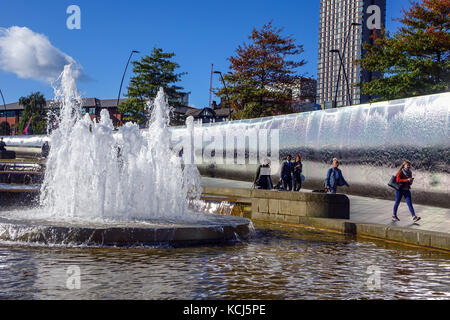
277	263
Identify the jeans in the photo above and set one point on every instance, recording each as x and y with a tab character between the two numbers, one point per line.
398	197
332	190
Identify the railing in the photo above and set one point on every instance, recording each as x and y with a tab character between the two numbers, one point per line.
21	172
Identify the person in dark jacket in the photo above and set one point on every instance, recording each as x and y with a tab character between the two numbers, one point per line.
2	145
335	178
404	177
286	173
45	150
297	175
262	179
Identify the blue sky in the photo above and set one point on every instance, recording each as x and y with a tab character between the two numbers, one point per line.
199	32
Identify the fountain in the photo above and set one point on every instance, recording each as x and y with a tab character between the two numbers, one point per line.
118	189
371	140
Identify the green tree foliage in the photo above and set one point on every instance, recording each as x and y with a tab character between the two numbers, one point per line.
262	76
415	60
34	108
150	73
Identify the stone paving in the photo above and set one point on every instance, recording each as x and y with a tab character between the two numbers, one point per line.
370	210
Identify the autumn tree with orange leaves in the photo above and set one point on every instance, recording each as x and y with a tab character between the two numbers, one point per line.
415	60
262	75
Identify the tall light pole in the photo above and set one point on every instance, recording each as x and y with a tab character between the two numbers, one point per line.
123	77
341	65
6	112
345	75
210	85
226	91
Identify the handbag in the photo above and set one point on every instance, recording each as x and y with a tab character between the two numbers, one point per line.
393	183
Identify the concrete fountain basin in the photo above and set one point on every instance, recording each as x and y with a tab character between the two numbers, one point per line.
206	230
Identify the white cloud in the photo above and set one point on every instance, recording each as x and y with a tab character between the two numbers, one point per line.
31	55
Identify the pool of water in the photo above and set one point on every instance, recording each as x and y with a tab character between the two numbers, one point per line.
278	262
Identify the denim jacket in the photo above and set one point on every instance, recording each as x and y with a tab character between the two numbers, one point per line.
335	178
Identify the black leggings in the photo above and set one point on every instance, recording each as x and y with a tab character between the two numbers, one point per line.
297	181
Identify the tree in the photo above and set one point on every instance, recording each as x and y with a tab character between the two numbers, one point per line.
34	109
152	72
262	76
415	60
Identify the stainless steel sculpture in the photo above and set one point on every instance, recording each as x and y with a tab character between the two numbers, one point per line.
371	141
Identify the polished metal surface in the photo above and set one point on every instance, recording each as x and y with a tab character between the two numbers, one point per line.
371	142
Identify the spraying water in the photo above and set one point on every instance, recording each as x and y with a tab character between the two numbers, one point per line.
94	173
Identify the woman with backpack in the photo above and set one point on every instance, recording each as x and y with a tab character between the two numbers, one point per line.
405	179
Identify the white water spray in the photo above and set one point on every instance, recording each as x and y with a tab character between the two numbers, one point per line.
93	173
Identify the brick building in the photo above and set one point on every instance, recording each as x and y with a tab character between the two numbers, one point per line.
91	106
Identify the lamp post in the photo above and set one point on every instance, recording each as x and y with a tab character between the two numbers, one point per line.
4	105
226	91
345	75
123	77
341	65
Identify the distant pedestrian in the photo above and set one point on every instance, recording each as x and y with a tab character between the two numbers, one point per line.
287	169
2	145
262	178
335	178
405	178
298	169
45	150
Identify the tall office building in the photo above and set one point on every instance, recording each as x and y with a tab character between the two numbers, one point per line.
344	26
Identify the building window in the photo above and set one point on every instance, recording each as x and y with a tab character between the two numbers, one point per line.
91	110
9	114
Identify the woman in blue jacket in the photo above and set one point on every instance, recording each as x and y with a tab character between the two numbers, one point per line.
335	178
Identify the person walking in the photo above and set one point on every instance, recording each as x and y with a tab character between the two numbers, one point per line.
335	178
405	179
262	179
297	175
286	173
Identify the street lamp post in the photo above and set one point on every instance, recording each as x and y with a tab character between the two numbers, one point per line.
4	105
341	65
123	77
345	75
226	91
